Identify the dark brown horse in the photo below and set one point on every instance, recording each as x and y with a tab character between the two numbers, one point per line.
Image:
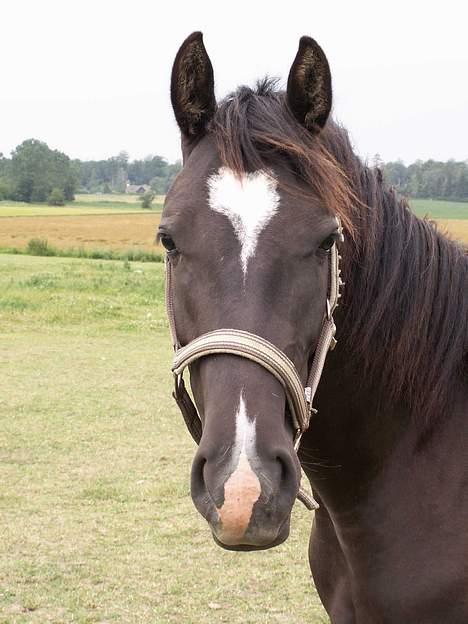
249	225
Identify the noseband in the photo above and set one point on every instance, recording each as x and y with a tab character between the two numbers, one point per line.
257	349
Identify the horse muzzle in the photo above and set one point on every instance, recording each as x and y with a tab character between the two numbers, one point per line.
247	503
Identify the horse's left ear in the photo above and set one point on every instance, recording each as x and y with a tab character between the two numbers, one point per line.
309	91
192	87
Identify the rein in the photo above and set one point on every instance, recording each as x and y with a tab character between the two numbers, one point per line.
257	349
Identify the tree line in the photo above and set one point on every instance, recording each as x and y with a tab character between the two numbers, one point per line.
36	173
427	179
113	174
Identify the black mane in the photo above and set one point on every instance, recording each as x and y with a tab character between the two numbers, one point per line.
406	298
405	304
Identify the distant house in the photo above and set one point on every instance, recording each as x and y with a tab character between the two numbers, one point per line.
139	189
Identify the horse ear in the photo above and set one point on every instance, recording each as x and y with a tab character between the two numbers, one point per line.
192	87
309	92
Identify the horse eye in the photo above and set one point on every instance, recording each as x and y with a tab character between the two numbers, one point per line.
167	242
328	242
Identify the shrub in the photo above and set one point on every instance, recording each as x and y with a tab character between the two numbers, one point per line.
40	247
147	199
56	197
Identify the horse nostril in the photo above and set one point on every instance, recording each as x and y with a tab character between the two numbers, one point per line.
283	467
198	479
288	473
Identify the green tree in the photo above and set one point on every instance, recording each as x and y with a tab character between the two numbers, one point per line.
116	171
396	175
36	170
159	185
461	186
5	189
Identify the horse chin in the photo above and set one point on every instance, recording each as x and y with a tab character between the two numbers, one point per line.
255	541
250	547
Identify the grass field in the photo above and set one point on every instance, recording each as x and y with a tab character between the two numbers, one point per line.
96	520
83	205
114	231
455	228
92	225
92	222
125	198
451	217
95	516
440	209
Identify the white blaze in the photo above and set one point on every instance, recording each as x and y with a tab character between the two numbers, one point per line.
248	202
245	432
242	489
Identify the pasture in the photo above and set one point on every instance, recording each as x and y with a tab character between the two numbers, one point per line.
117	222
83	205
451	217
96	519
438	209
91	222
95	513
92	231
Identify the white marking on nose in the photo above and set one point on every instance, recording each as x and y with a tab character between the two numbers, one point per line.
245	431
248	202
242	490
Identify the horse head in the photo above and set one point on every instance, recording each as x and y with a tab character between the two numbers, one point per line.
248	241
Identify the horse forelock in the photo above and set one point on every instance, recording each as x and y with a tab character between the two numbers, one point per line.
255	130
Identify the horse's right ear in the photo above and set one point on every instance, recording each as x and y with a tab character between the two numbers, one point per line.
192	87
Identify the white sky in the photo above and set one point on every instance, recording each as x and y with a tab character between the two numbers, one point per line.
91	77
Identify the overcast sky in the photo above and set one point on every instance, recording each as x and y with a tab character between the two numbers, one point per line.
91	77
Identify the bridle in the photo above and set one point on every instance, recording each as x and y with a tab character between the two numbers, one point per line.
257	349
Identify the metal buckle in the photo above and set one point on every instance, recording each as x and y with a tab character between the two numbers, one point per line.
308	398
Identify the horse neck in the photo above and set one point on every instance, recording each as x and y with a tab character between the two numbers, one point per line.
397	373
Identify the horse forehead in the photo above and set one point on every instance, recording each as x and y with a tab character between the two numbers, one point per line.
249	201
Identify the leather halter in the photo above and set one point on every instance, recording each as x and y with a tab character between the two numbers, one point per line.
257	349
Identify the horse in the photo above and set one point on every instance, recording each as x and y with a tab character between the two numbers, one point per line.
269	182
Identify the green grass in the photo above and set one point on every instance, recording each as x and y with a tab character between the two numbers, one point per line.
92	198
83	205
108	204
439	209
41	247
96	520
